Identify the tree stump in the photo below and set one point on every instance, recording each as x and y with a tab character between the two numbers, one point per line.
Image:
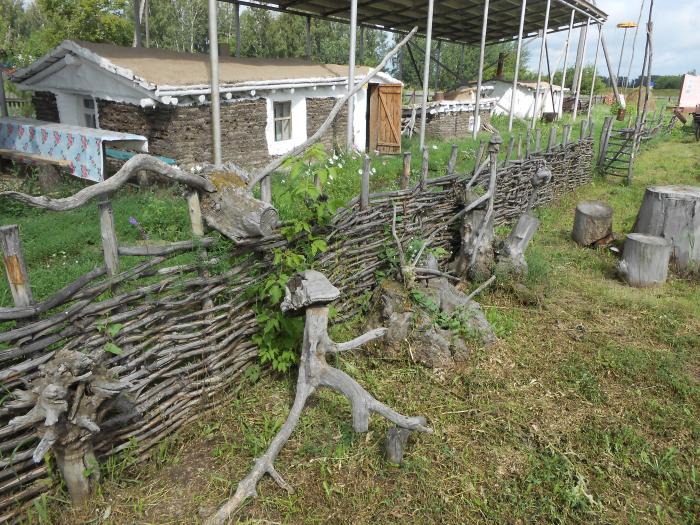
645	260
592	222
511	254
673	212
49	178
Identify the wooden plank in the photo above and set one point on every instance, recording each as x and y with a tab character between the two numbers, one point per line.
452	163
110	246
406	174
424	169
33	158
15	268
364	188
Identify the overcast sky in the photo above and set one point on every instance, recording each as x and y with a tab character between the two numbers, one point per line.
676	37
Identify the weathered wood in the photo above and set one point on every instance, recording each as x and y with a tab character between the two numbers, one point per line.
234	211
538	140
511	253
116	181
108	234
49	178
520	146
266	188
479	156
645	260
552	139
592	222
452	163
406	173
15	268
311	291
528	140
509	151
584	128
566	135
145	250
195	212
425	166
673	212
604	139
364	184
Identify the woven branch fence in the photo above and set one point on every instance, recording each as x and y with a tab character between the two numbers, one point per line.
186	335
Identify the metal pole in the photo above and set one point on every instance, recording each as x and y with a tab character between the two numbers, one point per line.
214	82
580	76
237	23
595	71
426	73
3	100
650	30
147	28
517	64
461	64
137	22
613	81
634	44
361	51
480	78
560	109
622	53
579	56
351	75
437	66
539	67
308	38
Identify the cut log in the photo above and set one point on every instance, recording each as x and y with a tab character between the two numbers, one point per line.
233	211
673	212
592	222
645	260
511	254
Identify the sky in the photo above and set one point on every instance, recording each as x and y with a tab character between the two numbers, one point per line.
676	39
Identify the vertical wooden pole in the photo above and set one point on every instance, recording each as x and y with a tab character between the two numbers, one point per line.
528	139
452	163
604	138
237	23
577	95
15	268
308	38
595	70
552	139
195	212
109	236
520	146
214	83
424	169
479	156
406	174
426	73
266	189
584	128
539	68
560	109
136	4
350	142
509	152
523	7
364	185
538	140
480	76
3	100
361	50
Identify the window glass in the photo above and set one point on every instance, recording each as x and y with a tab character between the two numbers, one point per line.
283	120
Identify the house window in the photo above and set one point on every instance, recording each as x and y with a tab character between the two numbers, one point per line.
89	112
283	120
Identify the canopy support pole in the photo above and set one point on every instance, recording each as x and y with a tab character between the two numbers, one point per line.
426	73
214	83
595	71
237	23
560	109
580	74
308	38
518	54
137	22
351	76
482	50
361	51
3	100
539	67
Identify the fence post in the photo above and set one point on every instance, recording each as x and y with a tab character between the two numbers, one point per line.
266	189
538	140
552	139
424	169
604	138
14	265
584	127
452	163
591	129
406	175
528	138
509	152
520	146
195	212
479	155
109	236
565	134
364	186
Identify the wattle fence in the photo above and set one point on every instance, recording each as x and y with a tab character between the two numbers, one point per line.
186	331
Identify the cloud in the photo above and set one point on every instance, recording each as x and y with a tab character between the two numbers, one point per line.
676	38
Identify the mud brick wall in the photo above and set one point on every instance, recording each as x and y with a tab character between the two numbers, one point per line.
183	133
317	109
45	106
451	124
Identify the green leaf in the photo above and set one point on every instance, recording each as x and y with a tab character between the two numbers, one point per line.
113	349
114	329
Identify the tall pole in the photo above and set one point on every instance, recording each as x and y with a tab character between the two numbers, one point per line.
579	56
480	78
3	100
622	53
361	51
523	7
308	38
650	29
580	76
351	75
539	67
634	44
426	73
595	71
461	64
237	23
608	62
137	22
147	25
214	83
437	66
560	109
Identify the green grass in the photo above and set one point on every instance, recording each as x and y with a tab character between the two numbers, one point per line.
586	411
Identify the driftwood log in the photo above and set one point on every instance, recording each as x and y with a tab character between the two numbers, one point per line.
673	212
310	292
234	211
592	222
645	260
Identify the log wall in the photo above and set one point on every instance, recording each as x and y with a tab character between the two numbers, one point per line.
45	106
182	358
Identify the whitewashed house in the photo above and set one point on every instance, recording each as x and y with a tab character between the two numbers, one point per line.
268	106
548	99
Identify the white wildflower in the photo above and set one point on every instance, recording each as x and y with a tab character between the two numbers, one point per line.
359	172
434	146
374	170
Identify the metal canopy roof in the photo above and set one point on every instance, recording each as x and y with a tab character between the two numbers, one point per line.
453	20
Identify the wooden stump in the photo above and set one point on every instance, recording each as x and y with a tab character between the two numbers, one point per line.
49	178
592	222
673	212
511	254
645	260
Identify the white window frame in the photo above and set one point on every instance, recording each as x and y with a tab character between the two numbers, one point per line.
89	114
275	120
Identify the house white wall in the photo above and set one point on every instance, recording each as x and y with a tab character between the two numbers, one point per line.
524	100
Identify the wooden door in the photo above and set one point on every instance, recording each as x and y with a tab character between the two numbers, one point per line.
385	119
